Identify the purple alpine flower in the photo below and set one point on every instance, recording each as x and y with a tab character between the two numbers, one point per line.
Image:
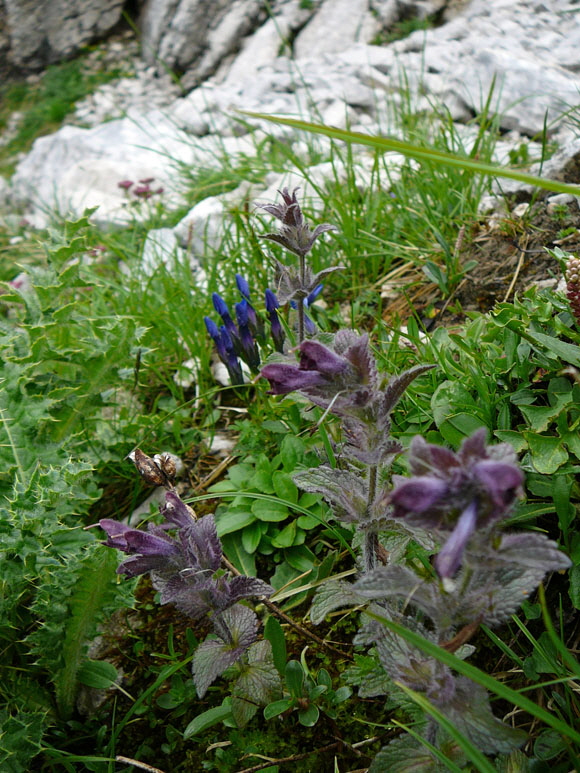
457	493
148	551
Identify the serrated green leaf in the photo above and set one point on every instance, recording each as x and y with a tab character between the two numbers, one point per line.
547	452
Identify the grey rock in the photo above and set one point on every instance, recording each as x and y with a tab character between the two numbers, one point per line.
182	33
45	31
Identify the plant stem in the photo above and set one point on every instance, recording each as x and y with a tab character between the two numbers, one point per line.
302	259
371	542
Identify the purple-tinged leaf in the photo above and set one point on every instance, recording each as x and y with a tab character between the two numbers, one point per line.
400	582
345	490
471	713
333	595
258	685
404	755
236	631
397	386
201	544
243	587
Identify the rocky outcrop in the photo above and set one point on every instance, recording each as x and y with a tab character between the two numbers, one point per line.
44	31
524	50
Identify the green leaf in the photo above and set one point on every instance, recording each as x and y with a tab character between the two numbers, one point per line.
262	481
547	452
548	745
574	589
251	536
207	719
286	537
285	487
291	452
233	519
274	633
540	417
294	675
300	557
240	558
309	716
99	674
553	346
419	152
239	475
267	510
278	707
514	438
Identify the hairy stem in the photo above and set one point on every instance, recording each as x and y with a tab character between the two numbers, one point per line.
301	300
371	542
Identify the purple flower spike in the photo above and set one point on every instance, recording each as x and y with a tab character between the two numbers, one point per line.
309	325
215	334
449	558
316	356
149	552
289	378
313	295
458	493
231	360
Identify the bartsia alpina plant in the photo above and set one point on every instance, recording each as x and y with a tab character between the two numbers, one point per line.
455	500
188	572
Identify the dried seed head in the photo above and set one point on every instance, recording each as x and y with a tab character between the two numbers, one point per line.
167	463
148	469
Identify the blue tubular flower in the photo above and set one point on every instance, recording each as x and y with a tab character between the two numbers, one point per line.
212	329
255	324
222	309
249	350
277	329
243	287
231	360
